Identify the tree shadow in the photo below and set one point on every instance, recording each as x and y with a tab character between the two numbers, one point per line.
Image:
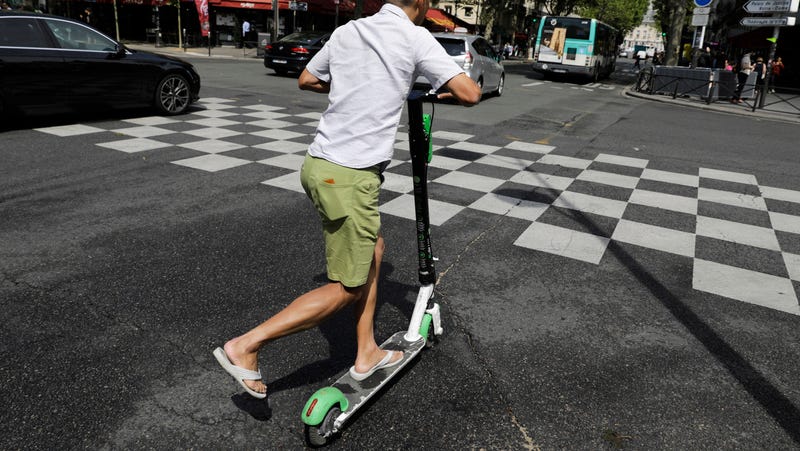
775	403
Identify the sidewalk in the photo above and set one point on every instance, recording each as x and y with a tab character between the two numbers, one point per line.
774	109
203	52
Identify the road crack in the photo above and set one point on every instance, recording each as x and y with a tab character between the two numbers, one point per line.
529	444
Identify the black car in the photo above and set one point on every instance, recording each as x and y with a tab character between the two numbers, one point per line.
51	64
292	52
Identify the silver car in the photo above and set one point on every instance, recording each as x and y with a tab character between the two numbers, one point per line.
476	57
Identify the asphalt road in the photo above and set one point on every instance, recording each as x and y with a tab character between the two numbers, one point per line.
568	323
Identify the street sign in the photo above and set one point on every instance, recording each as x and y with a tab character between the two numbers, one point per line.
768	21
771	6
298	6
702	3
702	11
699	20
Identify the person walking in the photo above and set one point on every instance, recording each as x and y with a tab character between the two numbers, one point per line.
342	173
245	32
761	72
745	67
775	73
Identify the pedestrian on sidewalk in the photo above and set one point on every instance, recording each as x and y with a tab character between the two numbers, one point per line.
777	68
245	32
342	173
745	67
761	72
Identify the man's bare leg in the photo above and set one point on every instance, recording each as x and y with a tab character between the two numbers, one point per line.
308	311
303	313
369	353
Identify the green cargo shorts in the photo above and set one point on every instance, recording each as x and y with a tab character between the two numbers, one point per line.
347	202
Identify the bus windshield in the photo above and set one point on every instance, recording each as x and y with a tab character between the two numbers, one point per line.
575	28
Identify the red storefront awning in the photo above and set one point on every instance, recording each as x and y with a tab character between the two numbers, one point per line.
314	6
439	20
248	4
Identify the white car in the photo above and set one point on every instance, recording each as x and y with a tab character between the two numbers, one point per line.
477	58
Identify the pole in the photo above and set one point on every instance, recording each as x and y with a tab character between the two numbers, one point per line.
180	35
770	59
116	20
336	19
702	36
275	20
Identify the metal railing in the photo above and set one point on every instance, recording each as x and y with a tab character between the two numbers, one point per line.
712	85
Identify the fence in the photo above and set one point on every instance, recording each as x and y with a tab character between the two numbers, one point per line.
711	85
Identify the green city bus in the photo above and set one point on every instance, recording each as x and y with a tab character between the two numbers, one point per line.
574	45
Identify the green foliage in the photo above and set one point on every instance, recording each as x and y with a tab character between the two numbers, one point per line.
565	7
624	15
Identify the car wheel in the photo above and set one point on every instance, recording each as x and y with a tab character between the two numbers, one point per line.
500	85
281	72
172	94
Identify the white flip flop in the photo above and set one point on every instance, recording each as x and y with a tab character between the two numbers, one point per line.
384	363
239	373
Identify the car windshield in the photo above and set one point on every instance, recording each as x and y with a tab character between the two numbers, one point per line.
303	38
453	47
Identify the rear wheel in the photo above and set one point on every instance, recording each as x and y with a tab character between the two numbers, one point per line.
281	72
173	95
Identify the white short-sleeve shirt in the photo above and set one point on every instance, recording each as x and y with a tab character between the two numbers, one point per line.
371	65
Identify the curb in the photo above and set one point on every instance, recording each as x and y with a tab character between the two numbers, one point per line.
196	52
759	114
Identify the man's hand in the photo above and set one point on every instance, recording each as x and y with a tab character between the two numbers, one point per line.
309	82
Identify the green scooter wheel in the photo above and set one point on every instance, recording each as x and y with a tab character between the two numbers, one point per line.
319	435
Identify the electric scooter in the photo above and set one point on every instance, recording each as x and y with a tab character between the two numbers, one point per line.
329	408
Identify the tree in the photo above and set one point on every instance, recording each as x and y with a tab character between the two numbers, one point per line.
671	16
624	15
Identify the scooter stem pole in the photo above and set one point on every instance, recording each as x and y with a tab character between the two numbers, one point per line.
419	142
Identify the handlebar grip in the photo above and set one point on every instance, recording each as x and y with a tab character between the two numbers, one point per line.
423	96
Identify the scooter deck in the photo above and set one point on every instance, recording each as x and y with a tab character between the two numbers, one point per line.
358	392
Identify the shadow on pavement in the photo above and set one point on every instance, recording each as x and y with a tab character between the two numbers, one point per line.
775	403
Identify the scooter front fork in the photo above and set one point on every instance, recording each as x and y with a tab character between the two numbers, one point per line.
422	306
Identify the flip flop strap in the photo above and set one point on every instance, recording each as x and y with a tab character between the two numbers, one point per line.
244	373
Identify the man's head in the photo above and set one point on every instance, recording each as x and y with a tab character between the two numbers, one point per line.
414	9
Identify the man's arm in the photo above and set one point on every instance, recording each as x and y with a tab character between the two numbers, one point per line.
309	82
463	89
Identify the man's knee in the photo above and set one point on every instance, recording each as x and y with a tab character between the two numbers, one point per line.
356	294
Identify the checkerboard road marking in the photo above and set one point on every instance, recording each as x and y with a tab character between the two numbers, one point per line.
215	133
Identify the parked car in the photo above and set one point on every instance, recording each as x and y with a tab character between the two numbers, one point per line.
52	64
292	52
478	59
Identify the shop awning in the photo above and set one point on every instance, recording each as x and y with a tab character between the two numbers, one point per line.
314	6
439	19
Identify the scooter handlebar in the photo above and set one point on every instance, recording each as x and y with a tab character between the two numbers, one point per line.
423	96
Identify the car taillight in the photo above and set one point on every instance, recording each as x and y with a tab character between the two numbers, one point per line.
268	47
299	50
468	60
